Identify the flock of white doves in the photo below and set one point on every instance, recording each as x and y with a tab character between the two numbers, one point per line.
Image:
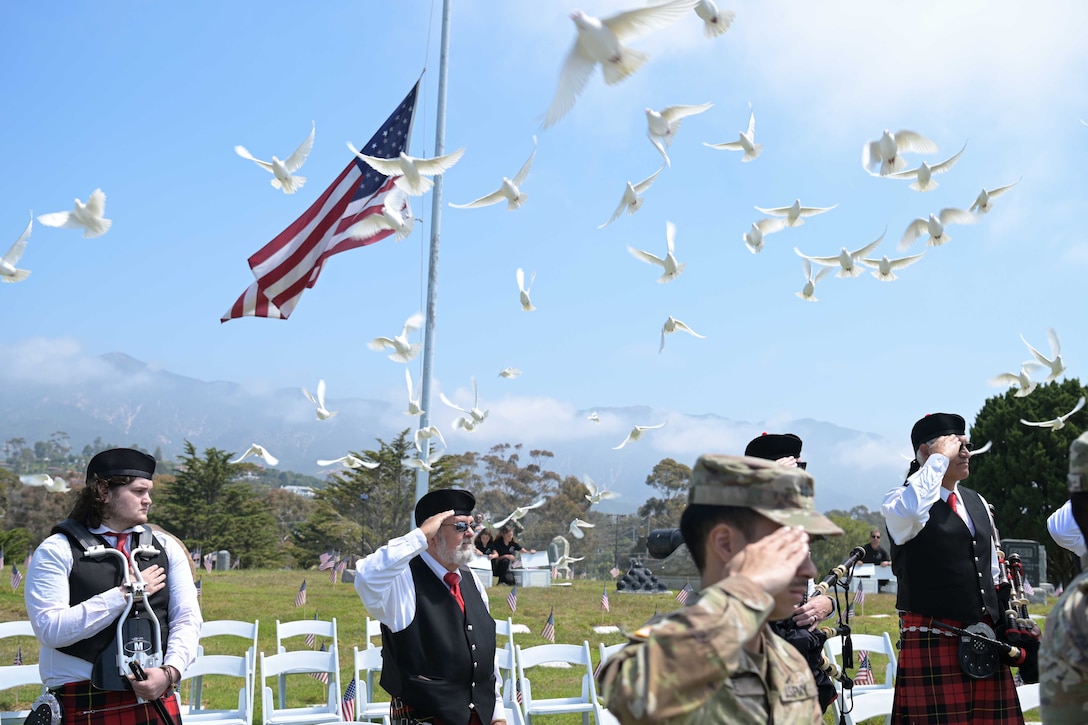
604	41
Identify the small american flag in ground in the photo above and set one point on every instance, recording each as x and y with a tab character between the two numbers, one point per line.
198	588
859	595
292	262
326	560
685	594
347	705
604	600
311	638
864	674
16	577
19	655
300	598
322	677
549	628
512	599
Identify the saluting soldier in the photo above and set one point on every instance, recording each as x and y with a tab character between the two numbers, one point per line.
716	660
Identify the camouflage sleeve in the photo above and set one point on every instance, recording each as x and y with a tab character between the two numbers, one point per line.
673	666
1063	658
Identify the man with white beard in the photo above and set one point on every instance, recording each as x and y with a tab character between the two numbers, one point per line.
436	626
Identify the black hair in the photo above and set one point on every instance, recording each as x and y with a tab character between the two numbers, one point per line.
698	519
90	506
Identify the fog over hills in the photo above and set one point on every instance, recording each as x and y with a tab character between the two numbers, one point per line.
125	401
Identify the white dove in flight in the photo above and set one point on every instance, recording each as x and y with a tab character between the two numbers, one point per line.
1054	362
746	143
53	484
884	268
510	190
808	292
426	464
403	351
981	449
8	272
351	461
413	400
795	214
715	22
576	527
982	204
602	40
753	238
632	197
523	291
636	434
669	264
596	494
475	414
673	325
845	260
87	216
466	423
260	452
1026	386
411	173
283	170
519	513
427	433
593	417
323	413
935	227
509	373
882	157
396	215
662	125
1059	422
923	175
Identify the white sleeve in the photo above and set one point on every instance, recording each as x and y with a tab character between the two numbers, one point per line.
185	616
55	623
1064	530
384	581
906	508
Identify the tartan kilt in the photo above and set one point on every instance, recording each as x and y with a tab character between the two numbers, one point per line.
930	686
83	704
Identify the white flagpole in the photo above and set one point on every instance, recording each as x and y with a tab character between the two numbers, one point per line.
422	477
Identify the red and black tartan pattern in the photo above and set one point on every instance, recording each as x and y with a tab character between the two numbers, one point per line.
931	688
401	714
84	704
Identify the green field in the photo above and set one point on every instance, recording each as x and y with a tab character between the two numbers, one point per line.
268	596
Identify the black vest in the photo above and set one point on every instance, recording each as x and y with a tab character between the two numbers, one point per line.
94	576
443	664
944	571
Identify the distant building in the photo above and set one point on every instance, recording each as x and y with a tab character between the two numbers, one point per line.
304	491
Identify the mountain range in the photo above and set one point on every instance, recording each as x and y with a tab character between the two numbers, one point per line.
125	401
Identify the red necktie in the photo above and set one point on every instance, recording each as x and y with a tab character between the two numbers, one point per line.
122	542
952	503
454	583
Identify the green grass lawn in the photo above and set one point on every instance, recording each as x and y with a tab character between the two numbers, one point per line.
270	595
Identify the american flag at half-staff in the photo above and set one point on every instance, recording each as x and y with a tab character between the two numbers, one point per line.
292	262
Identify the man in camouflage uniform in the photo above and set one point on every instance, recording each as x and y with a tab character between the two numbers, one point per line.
716	660
1063	657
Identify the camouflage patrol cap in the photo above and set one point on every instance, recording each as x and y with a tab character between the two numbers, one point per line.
1078	465
784	495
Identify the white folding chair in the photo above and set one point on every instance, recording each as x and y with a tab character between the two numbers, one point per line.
21	628
222	665
867	704
1028	696
300	628
367	662
373	629
505	628
225	628
575	655
12	676
878	643
605	652
506	663
306	662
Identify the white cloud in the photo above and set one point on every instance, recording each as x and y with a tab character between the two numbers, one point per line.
61	361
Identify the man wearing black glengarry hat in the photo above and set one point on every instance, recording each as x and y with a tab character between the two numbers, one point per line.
944	557
438	637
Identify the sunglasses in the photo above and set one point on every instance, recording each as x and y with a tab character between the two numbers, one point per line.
460	526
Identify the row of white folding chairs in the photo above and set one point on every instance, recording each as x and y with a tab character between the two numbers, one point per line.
12	676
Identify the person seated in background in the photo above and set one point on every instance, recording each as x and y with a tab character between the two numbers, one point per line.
506	550
874	554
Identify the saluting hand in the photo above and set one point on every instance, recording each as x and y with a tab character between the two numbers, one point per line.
771	562
431	526
948	446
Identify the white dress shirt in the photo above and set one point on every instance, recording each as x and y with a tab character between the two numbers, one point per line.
906	508
1064	530
385	584
57	624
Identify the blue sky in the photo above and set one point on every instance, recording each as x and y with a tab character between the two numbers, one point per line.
146	102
